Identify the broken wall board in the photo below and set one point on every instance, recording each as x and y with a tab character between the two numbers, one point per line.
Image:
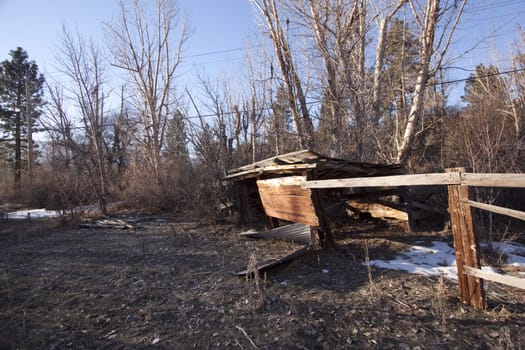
378	210
285	198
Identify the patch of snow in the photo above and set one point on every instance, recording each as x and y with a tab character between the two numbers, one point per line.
515	253
33	214
439	259
44	213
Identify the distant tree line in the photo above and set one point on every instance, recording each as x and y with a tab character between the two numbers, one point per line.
357	79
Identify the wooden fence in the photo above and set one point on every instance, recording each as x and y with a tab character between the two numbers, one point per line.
460	203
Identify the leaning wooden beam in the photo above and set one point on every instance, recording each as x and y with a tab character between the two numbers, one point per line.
498	210
495	277
247	173
493	180
278	261
466	247
388	181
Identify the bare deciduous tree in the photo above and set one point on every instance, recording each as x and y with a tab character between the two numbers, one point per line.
320	13
383	22
352	85
430	49
148	46
294	88
81	63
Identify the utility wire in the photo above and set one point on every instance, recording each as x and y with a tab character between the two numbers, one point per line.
447	82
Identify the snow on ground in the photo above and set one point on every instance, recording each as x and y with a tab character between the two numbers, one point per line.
33	214
44	213
516	253
439	259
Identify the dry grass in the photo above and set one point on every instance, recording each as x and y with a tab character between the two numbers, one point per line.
170	285
371	285
439	302
256	285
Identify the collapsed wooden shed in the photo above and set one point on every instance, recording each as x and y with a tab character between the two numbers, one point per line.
272	189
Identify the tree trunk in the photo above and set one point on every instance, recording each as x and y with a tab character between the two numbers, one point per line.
330	71
18	150
295	93
379	62
427	42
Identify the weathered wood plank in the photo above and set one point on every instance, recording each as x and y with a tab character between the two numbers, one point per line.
284	198
378	210
465	246
293	157
387	181
493	180
277	169
108	224
498	210
495	277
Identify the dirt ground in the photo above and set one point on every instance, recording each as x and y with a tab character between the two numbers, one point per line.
169	285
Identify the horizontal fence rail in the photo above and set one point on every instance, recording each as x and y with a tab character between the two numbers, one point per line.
430	179
493	180
388	181
512	281
470	276
517	214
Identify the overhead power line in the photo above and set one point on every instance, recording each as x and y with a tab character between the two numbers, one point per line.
447	82
210	53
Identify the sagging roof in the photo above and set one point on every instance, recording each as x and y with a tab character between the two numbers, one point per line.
306	160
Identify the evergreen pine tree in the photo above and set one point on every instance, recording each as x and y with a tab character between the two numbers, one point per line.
281	132
176	138
21	90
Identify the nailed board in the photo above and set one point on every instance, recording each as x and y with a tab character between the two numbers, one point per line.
285	198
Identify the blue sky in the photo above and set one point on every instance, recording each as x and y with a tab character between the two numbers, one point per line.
227	25
35	25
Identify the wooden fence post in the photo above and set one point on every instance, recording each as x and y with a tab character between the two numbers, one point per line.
465	244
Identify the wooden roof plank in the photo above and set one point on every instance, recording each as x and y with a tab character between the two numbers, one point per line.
306	160
290	158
